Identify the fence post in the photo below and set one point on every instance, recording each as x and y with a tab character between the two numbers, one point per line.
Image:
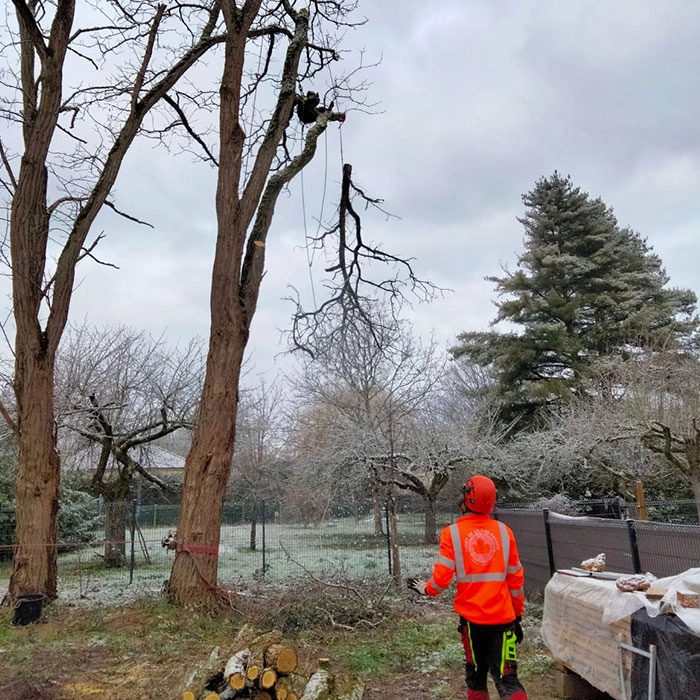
264	548
641	503
133	541
548	536
634	548
388	534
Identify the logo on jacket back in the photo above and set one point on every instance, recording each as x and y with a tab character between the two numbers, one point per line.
481	545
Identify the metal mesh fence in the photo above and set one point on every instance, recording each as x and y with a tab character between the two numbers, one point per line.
666	549
287	543
281	545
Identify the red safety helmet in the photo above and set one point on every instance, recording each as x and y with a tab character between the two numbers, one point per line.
479	495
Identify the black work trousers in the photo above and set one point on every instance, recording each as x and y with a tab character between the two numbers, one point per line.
490	649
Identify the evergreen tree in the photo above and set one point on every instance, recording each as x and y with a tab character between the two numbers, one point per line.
584	288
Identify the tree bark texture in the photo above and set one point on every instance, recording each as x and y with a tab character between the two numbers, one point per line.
38	473
430	524
115	533
236	277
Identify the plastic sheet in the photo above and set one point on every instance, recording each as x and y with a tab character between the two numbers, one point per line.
574	630
622	605
677	657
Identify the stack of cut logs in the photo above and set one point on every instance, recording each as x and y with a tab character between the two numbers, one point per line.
266	669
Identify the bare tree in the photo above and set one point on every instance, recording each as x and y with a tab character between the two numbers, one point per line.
74	108
253	168
381	383
118	392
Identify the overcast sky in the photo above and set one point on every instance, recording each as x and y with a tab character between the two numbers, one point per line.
477	100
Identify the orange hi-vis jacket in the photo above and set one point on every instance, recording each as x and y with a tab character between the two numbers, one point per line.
482	554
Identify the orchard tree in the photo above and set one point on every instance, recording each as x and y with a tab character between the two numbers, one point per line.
378	387
584	288
253	168
79	83
118	391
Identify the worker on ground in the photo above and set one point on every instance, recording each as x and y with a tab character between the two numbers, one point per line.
482	554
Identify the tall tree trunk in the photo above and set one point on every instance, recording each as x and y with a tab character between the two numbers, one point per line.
193	579
393	539
254	528
236	276
377	516
38	480
115	532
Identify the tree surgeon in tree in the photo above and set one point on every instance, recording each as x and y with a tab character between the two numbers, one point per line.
482	554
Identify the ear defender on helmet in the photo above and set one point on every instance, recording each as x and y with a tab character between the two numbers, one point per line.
479	495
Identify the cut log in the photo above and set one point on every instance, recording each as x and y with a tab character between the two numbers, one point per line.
246	635
268	678
320	685
281	657
212	696
258	646
290	686
235	669
198	679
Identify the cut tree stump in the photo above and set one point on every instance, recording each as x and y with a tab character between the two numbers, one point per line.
320	685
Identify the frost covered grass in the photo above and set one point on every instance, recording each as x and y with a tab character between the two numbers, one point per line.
342	548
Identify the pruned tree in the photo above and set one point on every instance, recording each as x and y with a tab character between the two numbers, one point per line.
253	168
119	391
79	82
377	387
252	171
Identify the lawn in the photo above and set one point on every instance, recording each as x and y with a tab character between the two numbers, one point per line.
400	645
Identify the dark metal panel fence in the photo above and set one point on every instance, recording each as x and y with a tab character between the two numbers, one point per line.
667	549
532	545
575	539
549	540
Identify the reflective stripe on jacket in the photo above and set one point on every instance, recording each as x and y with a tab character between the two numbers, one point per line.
483	556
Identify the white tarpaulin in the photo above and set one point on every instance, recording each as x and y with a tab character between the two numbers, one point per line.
621	605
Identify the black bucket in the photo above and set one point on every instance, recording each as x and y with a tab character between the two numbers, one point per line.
27	609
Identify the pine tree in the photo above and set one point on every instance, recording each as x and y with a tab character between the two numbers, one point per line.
584	288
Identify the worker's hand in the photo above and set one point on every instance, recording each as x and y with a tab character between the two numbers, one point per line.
518	629
416	585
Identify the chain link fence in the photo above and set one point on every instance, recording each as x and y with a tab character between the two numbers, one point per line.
278	543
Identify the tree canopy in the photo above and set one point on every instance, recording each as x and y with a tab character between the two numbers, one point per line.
584	288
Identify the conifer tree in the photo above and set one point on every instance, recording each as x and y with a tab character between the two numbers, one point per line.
584	288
